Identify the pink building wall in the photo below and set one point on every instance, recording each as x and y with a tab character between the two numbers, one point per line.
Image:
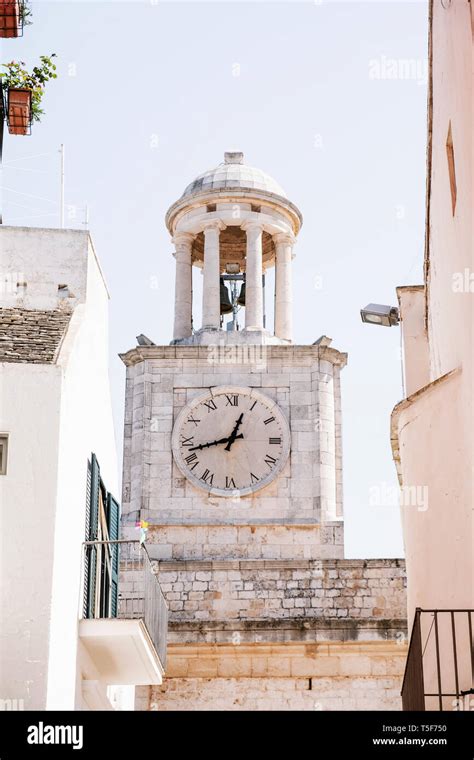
432	429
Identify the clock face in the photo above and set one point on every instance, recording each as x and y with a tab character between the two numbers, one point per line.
231	441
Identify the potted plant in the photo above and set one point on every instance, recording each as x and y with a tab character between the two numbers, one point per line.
14	14
25	92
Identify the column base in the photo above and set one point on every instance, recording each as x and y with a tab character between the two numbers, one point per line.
212	336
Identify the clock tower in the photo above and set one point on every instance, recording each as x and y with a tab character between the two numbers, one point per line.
233	456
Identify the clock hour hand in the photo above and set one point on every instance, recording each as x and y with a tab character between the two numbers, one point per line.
234	435
212	443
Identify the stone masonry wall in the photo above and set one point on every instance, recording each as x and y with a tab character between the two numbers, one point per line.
363	693
218	542
253	590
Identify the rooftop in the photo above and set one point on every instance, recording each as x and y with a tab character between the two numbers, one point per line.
32	336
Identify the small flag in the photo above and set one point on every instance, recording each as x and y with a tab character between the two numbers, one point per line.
142	526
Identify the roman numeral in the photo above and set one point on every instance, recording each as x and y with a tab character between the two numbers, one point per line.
211	405
270	461
207	477
276	441
187	442
254	478
253	405
270	419
232	400
230	482
191	458
191	419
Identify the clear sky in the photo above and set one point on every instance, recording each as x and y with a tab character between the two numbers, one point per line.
327	97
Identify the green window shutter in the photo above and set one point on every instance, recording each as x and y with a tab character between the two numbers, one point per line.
92	527
113	524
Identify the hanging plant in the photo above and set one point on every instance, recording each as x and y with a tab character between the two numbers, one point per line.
25	92
14	15
26	12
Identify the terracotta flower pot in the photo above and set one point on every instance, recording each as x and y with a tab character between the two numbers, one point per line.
10	18
19	111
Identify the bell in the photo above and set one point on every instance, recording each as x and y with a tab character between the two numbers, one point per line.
241	298
226	306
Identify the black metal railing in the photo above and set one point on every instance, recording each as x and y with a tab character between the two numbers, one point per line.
119	582
439	672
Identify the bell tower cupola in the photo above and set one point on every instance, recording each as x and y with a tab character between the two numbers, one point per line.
234	222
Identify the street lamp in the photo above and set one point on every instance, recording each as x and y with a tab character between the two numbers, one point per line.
378	314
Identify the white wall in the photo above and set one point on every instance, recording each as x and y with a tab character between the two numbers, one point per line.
43	259
29	412
86	425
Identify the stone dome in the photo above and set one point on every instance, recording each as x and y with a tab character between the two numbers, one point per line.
232	173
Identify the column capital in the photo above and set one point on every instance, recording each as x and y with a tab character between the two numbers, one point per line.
182	238
213	224
251	225
284	238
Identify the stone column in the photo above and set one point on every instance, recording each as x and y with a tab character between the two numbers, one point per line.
283	286
211	312
183	297
253	277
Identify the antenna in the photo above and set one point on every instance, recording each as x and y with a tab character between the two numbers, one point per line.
61	150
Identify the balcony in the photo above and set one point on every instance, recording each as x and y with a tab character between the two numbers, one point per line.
439	672
124	619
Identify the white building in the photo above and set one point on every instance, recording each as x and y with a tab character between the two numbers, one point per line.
55	414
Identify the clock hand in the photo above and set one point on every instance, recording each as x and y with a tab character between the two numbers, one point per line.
213	443
234	435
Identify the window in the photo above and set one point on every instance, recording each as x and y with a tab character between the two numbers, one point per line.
211	207
451	168
3	453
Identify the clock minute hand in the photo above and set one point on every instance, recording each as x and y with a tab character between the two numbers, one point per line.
234	435
212	443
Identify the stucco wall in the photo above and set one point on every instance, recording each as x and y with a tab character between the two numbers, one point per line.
450	235
438	533
30	413
432	431
42	259
86	426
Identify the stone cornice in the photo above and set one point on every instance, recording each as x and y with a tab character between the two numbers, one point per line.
289	636
219	195
289	352
274	564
